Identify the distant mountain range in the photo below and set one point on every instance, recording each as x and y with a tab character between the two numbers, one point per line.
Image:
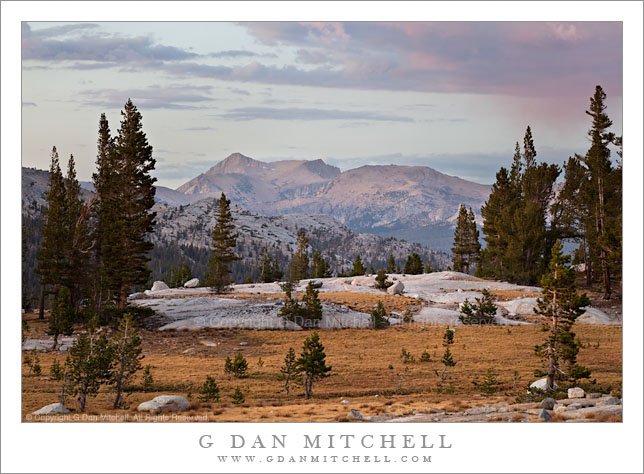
412	202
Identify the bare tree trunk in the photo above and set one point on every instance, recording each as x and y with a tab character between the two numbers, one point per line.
41	307
53	348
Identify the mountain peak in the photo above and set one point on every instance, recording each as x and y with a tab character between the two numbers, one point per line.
235	163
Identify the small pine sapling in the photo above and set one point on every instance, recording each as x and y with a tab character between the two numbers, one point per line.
490	384
238	396
381	280
289	369
148	380
311	363
240	366
56	370
127	353
481	312
379	318
228	367
447	360
209	391
406	356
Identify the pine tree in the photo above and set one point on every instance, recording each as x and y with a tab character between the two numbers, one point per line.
311	363
266	267
311	307
320	267
238	396
62	317
480	312
90	365
130	197
474	245
391	264
467	247
209	391
381	280
495	212
358	268
52	255
379	318
127	352
600	168
289	369
223	252
447	360
104	211
299	267
78	238
560	306
413	265
514	216
460	247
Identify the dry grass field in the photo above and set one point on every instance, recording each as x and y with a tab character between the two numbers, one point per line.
367	368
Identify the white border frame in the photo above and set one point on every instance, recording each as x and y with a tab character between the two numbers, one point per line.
614	447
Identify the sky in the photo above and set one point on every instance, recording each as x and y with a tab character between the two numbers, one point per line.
454	96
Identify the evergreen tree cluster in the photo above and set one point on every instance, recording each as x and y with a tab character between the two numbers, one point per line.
308	313
482	311
515	218
95	360
269	270
98	251
414	265
523	217
65	246
176	278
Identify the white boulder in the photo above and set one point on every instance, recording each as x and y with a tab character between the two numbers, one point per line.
396	289
355	282
52	409
159	285
194	283
165	403
541	384
575	392
594	316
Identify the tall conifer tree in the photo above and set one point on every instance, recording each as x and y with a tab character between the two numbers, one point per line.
136	193
52	255
224	241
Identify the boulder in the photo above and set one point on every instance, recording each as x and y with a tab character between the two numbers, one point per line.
159	285
547	403
560	408
608	401
593	395
544	415
52	409
345	402
540	384
575	392
355	415
355	282
396	289
194	283
165	403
